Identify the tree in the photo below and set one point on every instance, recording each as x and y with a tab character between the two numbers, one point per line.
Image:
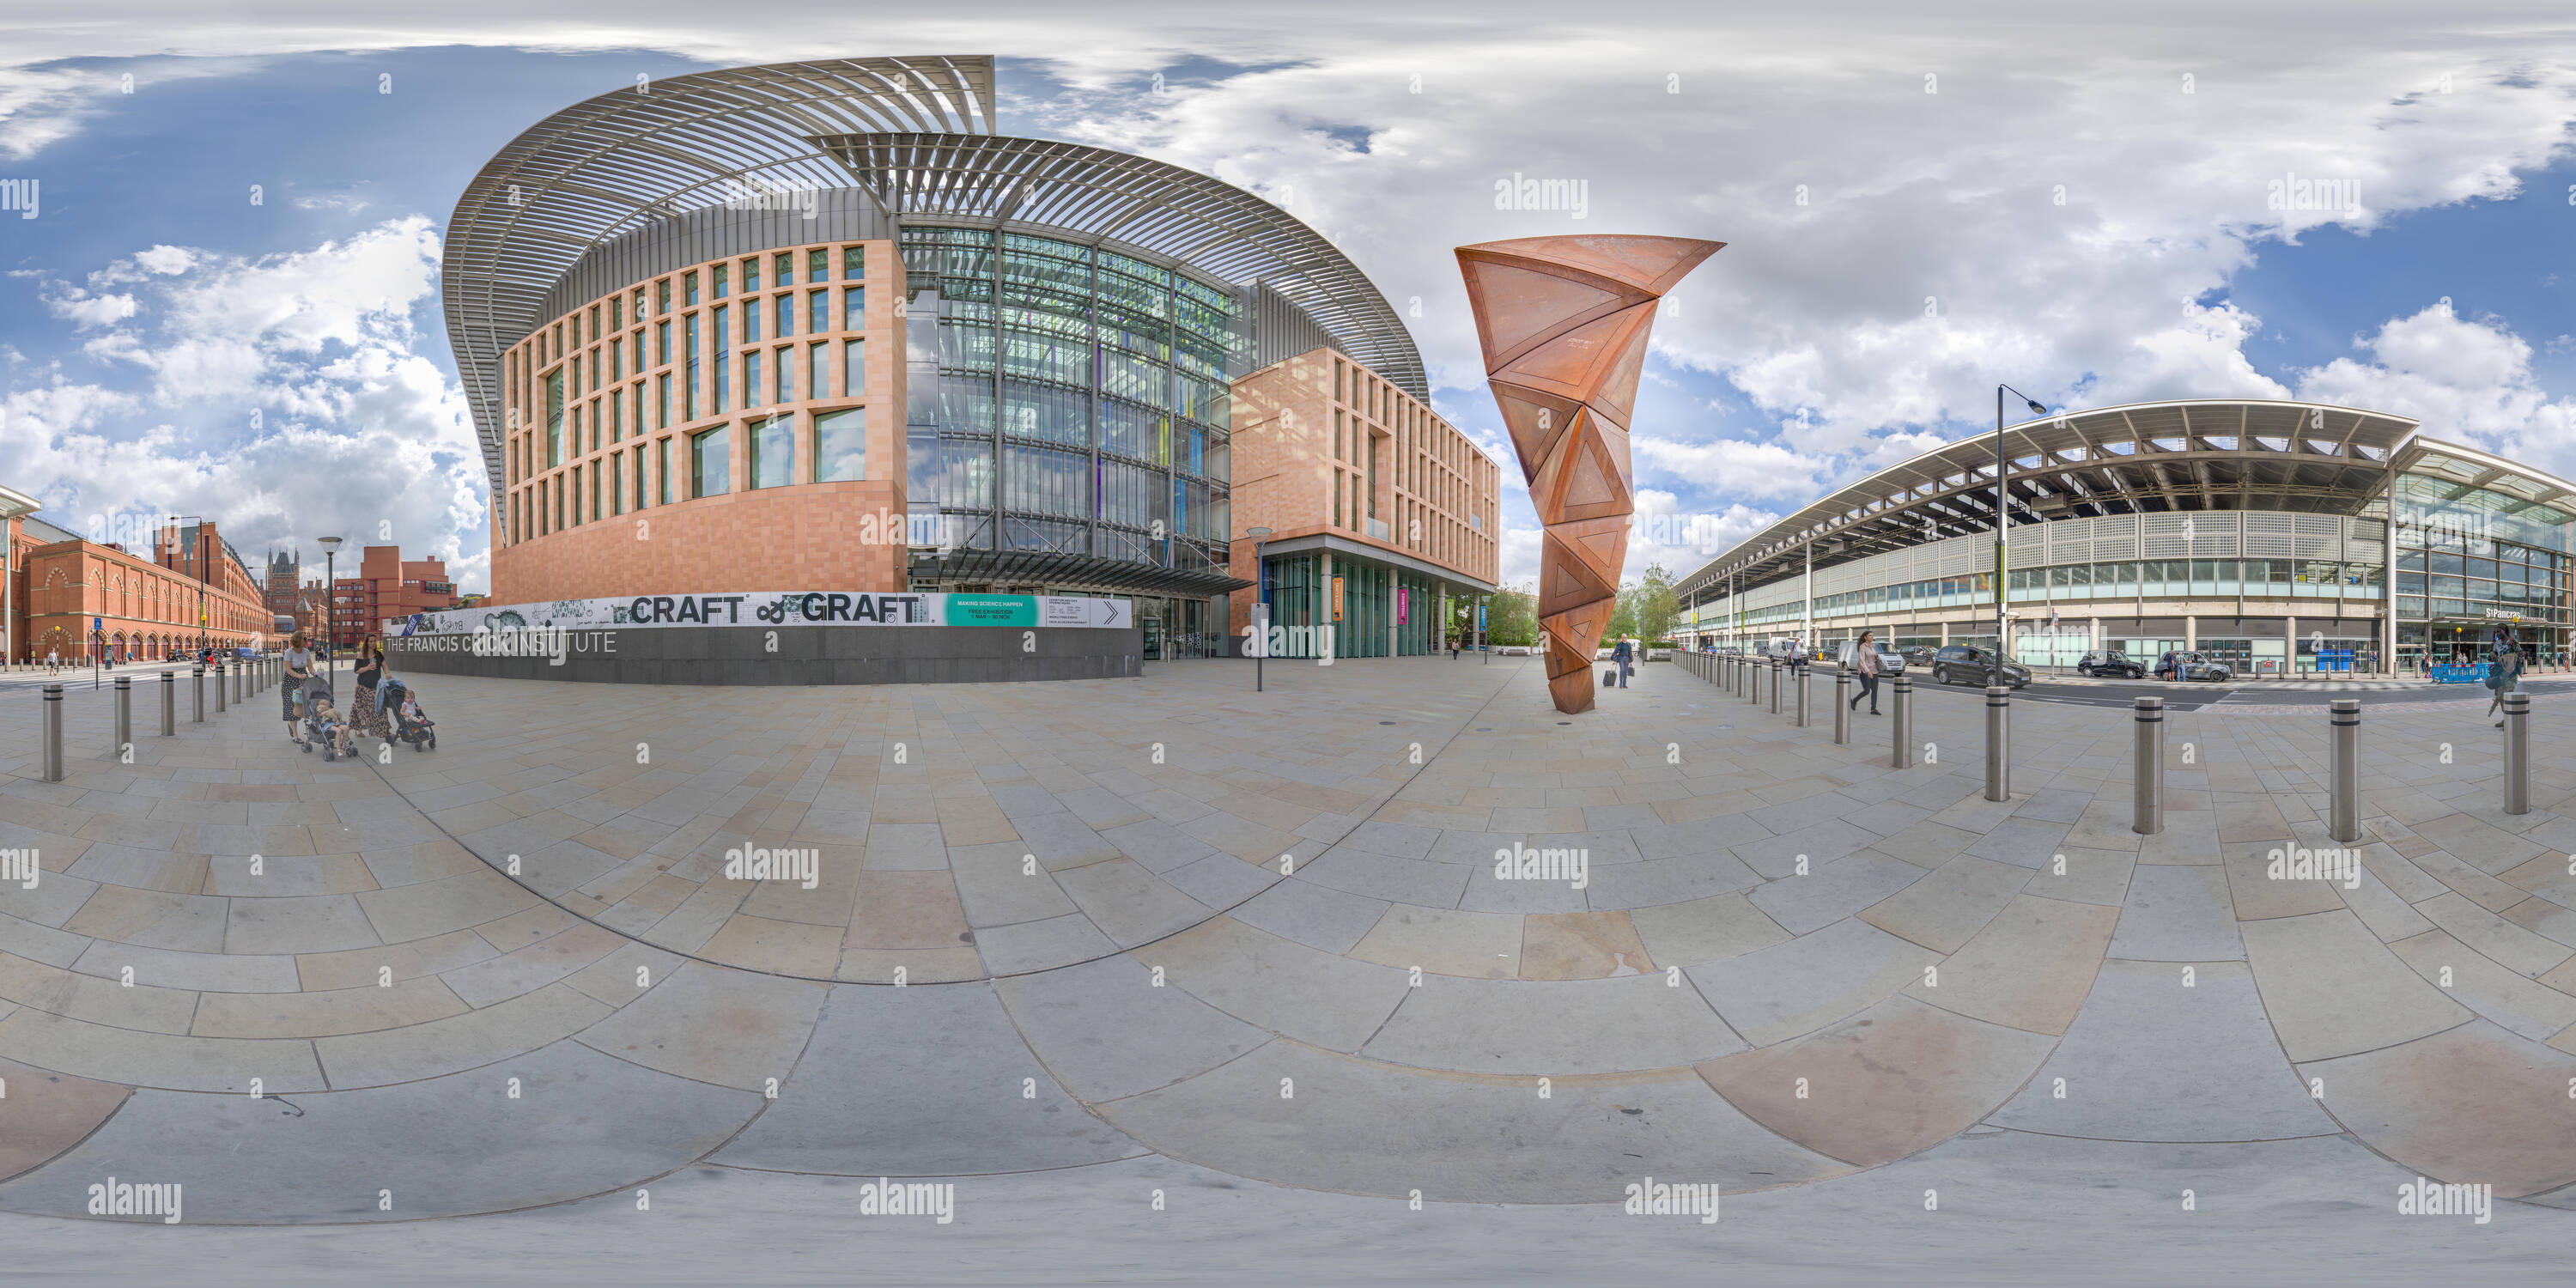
1512	617
1647	609
1658	607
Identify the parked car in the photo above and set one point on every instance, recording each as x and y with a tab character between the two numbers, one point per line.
1512	650
2112	663
2201	666
1890	662
1968	664
1919	655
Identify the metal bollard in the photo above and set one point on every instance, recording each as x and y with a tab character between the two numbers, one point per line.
2517	753
219	688
124	716
1805	674
238	668
169	704
2346	754
1753	682
1842	705
53	749
1903	697
199	672
1998	743
1776	677
2147	794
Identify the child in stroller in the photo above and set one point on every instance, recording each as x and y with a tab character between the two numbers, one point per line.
411	724
323	722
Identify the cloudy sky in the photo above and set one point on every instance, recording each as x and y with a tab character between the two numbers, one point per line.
227	301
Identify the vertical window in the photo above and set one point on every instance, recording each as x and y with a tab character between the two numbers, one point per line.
751	274
819	305
841	446
616	422
710	463
662	337
786	316
854	368
557	489
662	471
689	396
688	289
751	375
662	418
1337	494
616	319
664	289
617	358
638	387
1338	431
638	472
818	371
721	286
782	269
575	475
617	484
724	365
594	492
818	266
639	306
854	308
554	419
773	452
785	361
854	263
750	314
594	324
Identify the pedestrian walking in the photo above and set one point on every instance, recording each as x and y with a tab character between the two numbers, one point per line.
1623	655
2504	674
299	669
1865	660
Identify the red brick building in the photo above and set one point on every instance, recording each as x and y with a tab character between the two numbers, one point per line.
75	597
1380	512
387	585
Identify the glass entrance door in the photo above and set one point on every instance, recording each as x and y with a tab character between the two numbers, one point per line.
1153	639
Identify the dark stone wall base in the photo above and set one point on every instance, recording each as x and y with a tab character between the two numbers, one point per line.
743	655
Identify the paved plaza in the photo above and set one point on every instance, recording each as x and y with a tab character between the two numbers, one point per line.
1067	945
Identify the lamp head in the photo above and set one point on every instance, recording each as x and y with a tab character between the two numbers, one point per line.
330	544
1256	533
2036	408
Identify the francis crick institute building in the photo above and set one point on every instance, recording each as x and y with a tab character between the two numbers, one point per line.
818	326
2262	533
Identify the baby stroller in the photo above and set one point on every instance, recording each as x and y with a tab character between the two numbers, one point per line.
317	693
410	720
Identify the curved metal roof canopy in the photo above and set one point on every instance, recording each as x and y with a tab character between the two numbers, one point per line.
1207	224
2138	458
917	133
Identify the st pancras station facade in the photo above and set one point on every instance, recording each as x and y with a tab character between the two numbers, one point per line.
2259	533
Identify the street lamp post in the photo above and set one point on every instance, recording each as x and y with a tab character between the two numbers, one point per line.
330	602
1995	671
1260	604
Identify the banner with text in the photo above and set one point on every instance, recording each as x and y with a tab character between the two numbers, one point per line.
773	608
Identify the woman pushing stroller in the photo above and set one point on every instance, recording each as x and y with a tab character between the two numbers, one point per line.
367	712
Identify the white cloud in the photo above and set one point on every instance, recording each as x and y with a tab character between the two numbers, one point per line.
86	311
288	397
2465	380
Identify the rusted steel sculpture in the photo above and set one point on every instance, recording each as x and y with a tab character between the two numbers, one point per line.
1564	322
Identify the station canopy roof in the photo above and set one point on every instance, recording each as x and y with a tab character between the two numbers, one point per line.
2139	458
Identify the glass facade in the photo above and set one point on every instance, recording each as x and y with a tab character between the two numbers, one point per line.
1067	398
2475	550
